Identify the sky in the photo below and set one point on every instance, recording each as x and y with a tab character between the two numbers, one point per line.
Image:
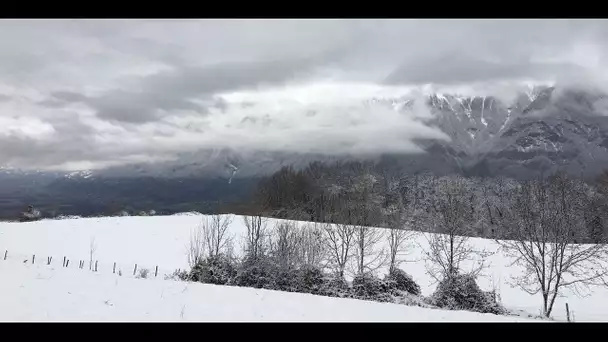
81	94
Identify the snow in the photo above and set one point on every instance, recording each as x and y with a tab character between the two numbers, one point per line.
161	241
506	120
45	293
483	105
83	174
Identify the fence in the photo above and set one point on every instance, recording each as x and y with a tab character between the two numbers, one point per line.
130	270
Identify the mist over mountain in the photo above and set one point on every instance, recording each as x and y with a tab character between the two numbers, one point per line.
545	129
183	114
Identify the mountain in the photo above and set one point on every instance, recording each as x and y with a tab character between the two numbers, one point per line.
540	131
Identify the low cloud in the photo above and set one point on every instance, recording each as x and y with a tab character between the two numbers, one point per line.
80	93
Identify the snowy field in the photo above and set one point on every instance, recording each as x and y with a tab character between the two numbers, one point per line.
55	292
43	293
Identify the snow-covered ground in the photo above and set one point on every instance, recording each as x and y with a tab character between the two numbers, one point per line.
43	293
161	241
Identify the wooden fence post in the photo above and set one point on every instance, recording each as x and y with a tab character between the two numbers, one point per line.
33	258
5	254
156	271
67	263
135	269
63	265
114	268
96	265
567	312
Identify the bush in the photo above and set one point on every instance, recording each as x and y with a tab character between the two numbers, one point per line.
309	279
176	275
143	273
367	286
335	286
258	273
217	270
461	292
285	280
397	279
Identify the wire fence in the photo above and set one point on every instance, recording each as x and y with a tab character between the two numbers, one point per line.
122	269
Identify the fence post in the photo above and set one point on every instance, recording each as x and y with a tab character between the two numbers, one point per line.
96	265
567	312
114	268
33	258
63	265
156	271
67	263
135	269
48	260
5	254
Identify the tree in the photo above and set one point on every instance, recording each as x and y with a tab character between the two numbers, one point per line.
196	248
339	241
256	236
369	257
312	245
215	234
285	245
452	214
546	224
399	213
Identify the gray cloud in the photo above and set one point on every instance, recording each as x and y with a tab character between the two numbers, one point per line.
173	90
458	69
98	92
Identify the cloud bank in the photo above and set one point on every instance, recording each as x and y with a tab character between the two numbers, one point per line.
95	93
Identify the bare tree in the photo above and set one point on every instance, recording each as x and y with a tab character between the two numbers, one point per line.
195	249
397	239
92	250
400	213
339	242
215	231
312	246
452	215
368	255
545	225
256	235
285	244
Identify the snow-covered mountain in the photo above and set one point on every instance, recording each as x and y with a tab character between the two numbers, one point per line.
543	129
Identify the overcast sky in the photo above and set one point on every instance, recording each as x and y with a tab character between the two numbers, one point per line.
84	94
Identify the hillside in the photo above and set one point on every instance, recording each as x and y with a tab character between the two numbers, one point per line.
161	241
46	293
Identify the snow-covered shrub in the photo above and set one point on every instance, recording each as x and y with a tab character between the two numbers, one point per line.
368	286
217	270
285	280
309	279
335	286
397	279
257	273
176	275
461	292
143	273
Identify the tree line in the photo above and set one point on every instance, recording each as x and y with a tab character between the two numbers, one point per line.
362	193
552	226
